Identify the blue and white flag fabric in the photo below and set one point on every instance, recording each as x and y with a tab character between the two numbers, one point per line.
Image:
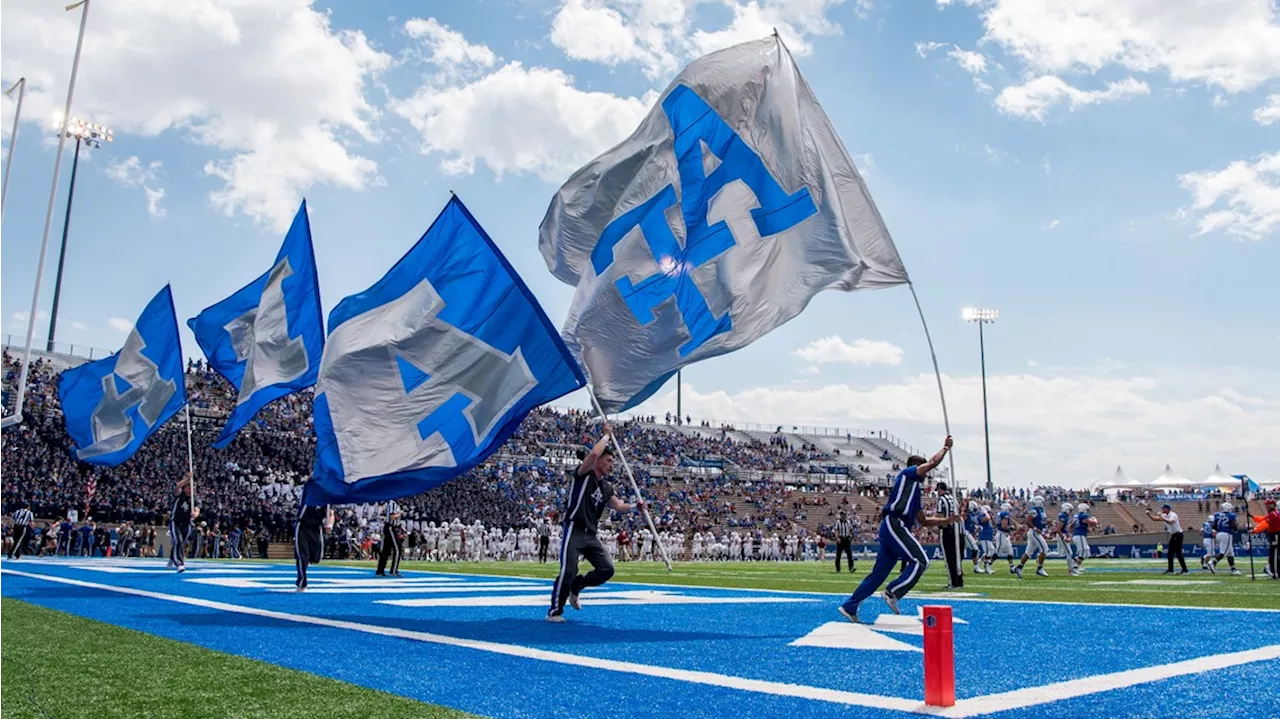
112	405
718	220
430	370
267	338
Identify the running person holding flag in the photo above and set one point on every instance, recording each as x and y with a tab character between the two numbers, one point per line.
896	541
588	495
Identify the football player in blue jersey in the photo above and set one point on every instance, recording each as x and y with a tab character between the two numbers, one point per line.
972	514
1037	545
1064	534
897	543
1004	534
1080	525
986	539
1224	524
1206	540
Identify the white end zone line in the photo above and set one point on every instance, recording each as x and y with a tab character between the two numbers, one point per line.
1004	701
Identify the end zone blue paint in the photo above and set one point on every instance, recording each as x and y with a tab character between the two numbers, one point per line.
1005	646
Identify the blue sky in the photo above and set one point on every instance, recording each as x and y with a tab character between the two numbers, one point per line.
1109	178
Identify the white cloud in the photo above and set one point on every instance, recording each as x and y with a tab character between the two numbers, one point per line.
1044	165
119	324
130	173
269	86
19	319
79	326
1079	424
448	46
994	155
1242	199
973	62
1032	363
1234	47
658	35
1268	113
1052	225
520	119
1032	99
834	350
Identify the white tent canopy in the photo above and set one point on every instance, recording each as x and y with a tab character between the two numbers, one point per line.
1122	481
1219	479
1170	479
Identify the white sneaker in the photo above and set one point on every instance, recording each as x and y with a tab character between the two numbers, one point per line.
1075	572
892	601
1017	571
1235	572
555	618
1041	573
573	601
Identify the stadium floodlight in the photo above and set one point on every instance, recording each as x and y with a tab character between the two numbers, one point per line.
16	417
982	317
93	135
973	314
21	87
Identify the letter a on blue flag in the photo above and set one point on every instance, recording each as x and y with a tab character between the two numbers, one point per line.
112	405
430	370
730	207
267	338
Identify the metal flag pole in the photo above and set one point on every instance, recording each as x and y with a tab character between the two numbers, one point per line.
946	420
191	465
21	87
16	417
617	446
1248	535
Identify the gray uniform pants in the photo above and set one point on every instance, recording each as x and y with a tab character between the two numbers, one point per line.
577	543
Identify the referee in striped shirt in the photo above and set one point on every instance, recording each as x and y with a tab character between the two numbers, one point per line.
22	520
844	541
951	536
390	541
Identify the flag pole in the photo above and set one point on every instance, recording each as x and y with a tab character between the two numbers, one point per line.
946	420
23	374
191	471
617	445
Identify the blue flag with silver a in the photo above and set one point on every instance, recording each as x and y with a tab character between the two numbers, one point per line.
267	338
112	405
429	371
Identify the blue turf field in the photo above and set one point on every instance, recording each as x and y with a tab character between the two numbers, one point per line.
479	643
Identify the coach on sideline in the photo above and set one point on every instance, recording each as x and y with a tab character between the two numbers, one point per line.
1173	526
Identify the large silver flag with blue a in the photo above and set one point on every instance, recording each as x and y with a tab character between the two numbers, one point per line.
718	220
267	338
430	370
112	405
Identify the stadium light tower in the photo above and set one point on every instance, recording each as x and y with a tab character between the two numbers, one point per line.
93	135
983	317
21	87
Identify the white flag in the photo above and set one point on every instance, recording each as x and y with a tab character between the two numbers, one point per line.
727	210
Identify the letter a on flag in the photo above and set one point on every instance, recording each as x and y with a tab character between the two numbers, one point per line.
112	405
430	370
267	338
718	220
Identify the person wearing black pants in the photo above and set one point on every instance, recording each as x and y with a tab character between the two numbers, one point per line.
952	537
308	539
844	542
180	518
390	549
1173	526
22	520
544	540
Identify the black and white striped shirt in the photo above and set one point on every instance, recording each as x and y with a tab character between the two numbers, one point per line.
844	529
23	518
948	506
393	507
